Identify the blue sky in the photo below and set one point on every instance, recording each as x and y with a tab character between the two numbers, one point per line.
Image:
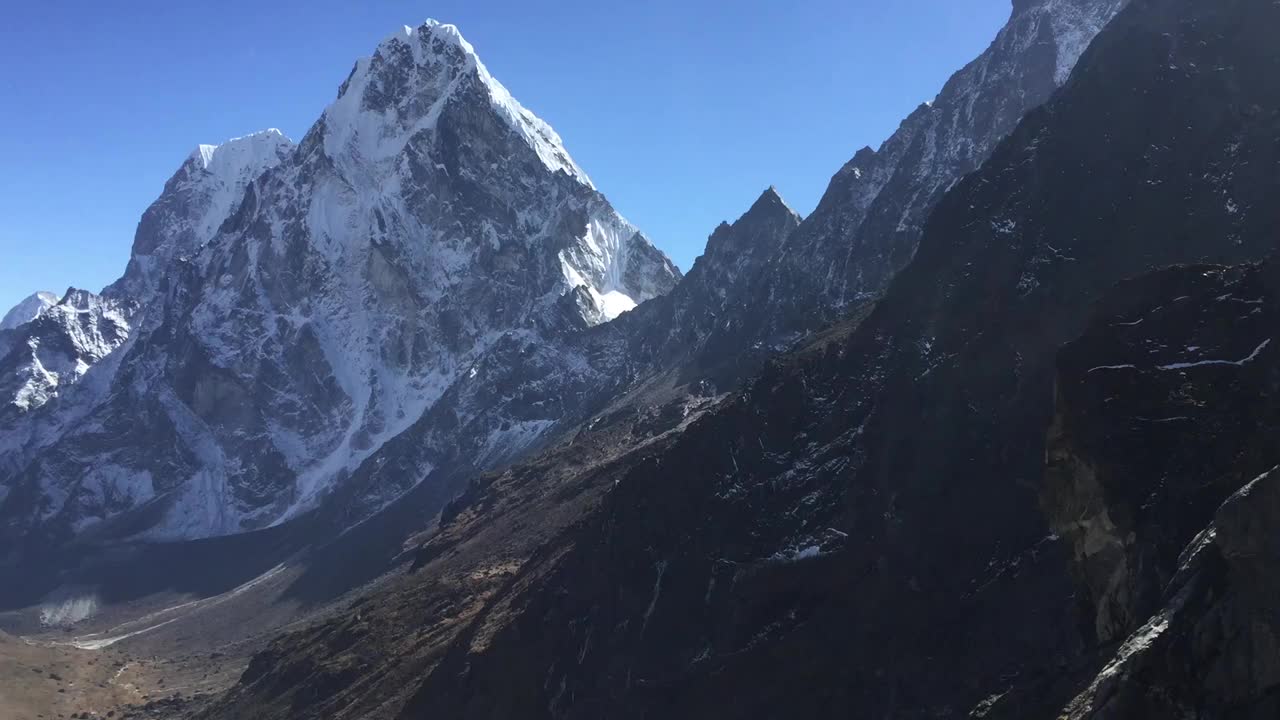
681	111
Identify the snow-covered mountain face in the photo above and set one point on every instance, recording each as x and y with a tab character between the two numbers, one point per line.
524	390
46	359
201	195
869	222
357	278
57	347
27	310
43	358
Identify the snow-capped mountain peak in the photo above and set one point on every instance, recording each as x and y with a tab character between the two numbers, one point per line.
402	89
240	157
305	306
54	349
28	310
205	191
230	167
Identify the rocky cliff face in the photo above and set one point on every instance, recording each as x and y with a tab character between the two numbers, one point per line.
1147	444
870	220
55	356
1162	477
354	280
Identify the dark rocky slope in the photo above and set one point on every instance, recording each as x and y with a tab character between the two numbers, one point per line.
1163	478
885	493
370	659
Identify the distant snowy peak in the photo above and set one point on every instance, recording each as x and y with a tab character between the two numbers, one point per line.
403	87
57	347
205	191
221	173
303	309
424	110
240	160
27	310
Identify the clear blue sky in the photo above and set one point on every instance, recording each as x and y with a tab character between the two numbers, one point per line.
681	111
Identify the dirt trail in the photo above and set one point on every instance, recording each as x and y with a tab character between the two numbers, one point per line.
154	621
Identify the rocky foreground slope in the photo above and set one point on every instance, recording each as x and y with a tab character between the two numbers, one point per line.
1164	478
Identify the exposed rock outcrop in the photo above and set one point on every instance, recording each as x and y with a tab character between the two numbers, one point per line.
1163	478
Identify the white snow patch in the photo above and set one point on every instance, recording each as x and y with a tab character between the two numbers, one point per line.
68	606
231	166
1201	363
1111	367
812	551
793	554
661	567
613	303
